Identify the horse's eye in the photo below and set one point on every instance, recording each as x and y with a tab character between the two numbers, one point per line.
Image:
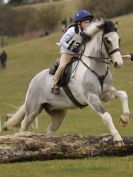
107	40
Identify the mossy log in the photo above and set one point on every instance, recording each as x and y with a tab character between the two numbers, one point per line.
30	146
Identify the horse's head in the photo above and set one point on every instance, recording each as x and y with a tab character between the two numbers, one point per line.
111	41
110	38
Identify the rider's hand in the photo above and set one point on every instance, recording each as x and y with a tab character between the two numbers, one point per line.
75	49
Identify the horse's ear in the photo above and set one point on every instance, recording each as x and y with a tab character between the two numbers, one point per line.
116	25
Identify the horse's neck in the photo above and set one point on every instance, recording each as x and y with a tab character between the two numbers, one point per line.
93	49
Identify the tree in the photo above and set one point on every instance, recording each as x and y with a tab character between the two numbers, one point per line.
50	17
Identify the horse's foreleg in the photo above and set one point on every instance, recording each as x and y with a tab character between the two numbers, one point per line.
123	97
57	118
95	103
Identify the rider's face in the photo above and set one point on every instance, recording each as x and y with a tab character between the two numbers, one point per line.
84	24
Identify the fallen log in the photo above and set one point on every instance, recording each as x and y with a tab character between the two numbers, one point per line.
30	146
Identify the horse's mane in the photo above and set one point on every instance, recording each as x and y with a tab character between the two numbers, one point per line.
98	25
109	26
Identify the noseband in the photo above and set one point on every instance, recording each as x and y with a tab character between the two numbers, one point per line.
113	51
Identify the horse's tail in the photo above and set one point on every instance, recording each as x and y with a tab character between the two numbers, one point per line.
16	119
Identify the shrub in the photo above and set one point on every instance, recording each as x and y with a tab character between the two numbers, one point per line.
108	8
50	17
17	21
14	21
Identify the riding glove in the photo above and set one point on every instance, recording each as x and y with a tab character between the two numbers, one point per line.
75	49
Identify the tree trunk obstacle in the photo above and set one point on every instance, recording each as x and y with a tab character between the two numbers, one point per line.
30	146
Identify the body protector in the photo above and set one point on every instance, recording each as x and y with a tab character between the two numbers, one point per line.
76	40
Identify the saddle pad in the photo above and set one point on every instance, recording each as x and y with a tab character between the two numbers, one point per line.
66	75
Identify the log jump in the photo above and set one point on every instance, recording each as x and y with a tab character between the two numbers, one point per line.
31	146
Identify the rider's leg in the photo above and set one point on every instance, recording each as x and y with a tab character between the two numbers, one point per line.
64	60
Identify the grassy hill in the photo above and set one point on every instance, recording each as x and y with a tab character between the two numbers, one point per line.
25	60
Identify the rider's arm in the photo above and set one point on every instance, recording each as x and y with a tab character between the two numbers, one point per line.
67	37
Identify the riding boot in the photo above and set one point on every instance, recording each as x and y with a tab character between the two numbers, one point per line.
55	89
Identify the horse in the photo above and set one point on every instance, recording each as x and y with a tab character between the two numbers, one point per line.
90	83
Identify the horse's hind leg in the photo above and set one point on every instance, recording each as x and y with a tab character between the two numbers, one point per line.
29	117
57	117
95	103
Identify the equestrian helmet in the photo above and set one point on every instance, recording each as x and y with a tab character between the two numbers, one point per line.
82	15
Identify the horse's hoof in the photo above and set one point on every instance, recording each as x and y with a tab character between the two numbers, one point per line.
123	123
119	144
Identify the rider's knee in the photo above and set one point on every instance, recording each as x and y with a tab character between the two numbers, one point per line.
62	67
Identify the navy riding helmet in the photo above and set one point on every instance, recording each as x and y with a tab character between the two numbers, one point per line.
82	15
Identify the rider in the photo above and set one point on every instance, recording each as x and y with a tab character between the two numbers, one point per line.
70	43
128	56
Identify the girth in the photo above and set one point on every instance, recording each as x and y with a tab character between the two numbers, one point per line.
101	78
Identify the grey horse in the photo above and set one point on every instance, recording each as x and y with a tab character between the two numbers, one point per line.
90	83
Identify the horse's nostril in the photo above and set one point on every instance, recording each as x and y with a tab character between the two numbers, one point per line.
115	64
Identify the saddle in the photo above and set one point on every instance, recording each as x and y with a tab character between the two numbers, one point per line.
65	78
66	75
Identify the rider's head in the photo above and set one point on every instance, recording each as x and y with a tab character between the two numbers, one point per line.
83	18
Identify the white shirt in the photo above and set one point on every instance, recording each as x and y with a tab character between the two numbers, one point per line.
66	39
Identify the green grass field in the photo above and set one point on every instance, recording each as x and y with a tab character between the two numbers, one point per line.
25	60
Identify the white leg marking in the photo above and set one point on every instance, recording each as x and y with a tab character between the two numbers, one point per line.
107	119
122	95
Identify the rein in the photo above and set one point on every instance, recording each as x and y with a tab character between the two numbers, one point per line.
103	60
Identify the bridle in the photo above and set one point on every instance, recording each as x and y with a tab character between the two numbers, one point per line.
102	59
109	52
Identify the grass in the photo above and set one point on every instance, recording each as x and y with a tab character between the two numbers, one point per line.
93	167
26	59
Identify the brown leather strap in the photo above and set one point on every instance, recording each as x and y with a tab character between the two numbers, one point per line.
71	97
